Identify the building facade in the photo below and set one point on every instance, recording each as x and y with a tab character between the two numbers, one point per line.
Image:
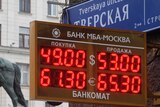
15	18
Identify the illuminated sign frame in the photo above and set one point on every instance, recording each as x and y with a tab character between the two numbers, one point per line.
86	64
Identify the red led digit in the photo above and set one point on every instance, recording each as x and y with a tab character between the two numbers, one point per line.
113	81
102	61
45	53
81	80
125	83
135	66
80	58
113	61
69	79
57	56
102	85
60	83
136	84
124	62
45	79
68	57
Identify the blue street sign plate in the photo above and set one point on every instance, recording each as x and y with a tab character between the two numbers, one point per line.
140	15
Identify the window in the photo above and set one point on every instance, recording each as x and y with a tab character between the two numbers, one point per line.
0	34
24	73
52	8
24	6
23	37
0	4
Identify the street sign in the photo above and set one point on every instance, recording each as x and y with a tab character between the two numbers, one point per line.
140	15
86	64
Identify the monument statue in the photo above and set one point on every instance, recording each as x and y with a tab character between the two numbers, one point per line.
10	77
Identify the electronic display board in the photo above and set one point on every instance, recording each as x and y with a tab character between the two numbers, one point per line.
86	64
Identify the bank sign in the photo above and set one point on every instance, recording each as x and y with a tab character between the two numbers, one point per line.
87	65
140	15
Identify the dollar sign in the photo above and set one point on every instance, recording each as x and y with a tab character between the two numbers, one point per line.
92	60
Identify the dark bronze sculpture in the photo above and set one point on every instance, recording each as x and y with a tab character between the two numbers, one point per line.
10	77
